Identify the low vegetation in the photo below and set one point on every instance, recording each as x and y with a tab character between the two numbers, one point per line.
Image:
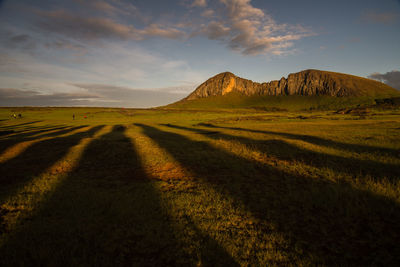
218	187
292	103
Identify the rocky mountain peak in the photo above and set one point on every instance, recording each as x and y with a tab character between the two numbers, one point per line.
307	83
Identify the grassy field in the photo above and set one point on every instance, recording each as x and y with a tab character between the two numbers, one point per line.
199	188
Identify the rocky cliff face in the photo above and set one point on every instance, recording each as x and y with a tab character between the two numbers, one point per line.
306	83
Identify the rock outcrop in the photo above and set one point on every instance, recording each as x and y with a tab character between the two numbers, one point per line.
306	83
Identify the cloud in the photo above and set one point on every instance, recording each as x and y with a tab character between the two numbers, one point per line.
156	30
250	31
118	96
72	25
382	18
208	13
17	97
18	41
199	3
65	44
80	27
94	95
216	30
236	23
127	65
354	40
104	7
113	8
391	78
22	38
119	93
239	9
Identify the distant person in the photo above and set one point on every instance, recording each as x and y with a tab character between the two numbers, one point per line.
15	116
73	116
20	115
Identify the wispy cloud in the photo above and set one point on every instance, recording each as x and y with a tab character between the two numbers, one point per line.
103	6
208	13
119	93
391	78
126	66
66	44
199	3
372	16
18	40
113	8
72	25
94	95
18	97
90	28
249	30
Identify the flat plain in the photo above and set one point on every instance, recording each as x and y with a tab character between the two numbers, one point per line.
156	187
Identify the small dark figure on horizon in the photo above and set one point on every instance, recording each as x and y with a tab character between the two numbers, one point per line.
73	116
20	115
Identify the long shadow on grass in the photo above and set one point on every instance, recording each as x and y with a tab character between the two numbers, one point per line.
48	132
29	130
36	159
317	141
18	125
331	223
285	151
107	213
11	132
6	132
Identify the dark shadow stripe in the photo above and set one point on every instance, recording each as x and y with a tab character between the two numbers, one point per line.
18	125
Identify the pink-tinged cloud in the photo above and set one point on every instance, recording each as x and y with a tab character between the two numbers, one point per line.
199	3
208	13
250	30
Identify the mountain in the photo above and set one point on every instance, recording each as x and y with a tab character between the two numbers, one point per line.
304	83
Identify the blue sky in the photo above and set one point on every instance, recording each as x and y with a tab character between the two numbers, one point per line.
147	53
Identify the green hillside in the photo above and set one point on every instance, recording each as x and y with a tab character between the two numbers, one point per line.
290	103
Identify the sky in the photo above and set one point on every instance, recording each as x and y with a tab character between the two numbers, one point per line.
145	53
